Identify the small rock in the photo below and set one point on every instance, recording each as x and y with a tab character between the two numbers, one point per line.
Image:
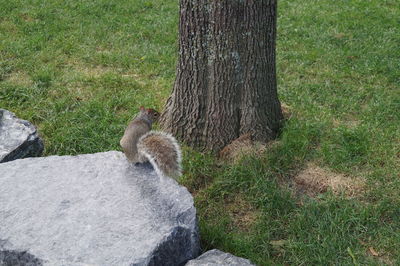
216	257
18	138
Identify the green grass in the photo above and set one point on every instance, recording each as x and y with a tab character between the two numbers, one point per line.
79	70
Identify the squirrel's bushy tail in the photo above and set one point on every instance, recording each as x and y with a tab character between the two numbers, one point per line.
163	152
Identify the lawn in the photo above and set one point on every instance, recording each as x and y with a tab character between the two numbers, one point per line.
79	70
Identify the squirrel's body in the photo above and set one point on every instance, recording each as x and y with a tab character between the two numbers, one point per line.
135	130
140	144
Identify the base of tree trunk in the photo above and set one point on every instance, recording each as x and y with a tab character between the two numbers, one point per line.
225	80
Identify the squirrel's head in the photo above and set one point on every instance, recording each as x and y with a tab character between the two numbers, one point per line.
152	114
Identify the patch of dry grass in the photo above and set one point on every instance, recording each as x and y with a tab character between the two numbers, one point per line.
240	147
241	212
314	180
19	78
286	111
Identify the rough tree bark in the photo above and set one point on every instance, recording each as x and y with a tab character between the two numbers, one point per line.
226	80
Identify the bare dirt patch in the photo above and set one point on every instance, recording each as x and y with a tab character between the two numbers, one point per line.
314	180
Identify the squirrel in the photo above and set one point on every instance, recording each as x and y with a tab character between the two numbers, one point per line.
140	144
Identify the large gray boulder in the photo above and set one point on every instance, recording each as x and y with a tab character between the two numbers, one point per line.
216	257
94	209
18	138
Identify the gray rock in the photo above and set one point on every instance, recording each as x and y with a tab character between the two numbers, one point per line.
216	257
18	138
94	209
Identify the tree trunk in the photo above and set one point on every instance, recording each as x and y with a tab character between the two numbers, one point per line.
226	81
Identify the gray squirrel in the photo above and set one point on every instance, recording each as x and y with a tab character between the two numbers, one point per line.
141	144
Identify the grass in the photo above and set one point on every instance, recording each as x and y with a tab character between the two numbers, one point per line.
80	70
